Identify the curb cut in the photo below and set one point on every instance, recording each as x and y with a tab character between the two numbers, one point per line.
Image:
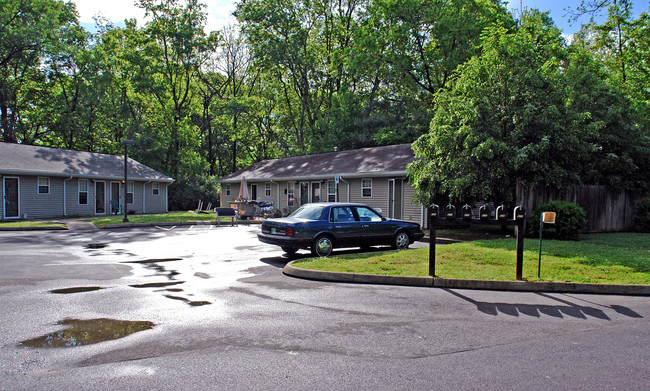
516	286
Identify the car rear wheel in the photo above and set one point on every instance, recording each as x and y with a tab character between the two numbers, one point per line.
322	246
401	241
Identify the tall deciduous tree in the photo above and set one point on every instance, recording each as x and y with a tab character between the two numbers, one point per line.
503	120
177	49
29	30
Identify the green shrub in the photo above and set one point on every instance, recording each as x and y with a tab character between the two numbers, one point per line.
570	220
642	215
185	193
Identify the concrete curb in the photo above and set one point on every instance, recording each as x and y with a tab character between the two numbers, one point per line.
517	286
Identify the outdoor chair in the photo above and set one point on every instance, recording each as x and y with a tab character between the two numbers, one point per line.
116	208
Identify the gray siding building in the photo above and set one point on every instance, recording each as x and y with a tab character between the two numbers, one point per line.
373	176
42	182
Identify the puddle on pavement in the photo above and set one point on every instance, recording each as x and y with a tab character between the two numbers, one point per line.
174	290
202	275
78	289
87	332
197	303
157	284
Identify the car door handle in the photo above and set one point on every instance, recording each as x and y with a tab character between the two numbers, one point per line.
338	226
365	226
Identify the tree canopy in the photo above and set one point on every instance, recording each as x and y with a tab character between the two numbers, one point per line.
490	98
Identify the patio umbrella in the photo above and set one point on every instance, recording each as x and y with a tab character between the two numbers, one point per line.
243	190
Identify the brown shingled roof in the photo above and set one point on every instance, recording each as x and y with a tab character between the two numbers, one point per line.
390	160
21	159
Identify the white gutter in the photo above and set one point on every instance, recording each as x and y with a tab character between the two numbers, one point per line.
81	175
65	198
375	174
348	185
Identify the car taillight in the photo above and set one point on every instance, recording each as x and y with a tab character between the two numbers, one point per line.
289	231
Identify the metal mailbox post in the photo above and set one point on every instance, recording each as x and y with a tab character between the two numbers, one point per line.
519	220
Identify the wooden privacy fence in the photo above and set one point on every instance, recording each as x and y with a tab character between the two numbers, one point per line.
607	210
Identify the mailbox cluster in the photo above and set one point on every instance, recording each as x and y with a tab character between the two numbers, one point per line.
450	213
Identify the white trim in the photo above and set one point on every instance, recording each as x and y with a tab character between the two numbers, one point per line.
65	197
382	174
4	205
311	191
348	186
328	190
79	190
362	187
126	202
38	184
95	192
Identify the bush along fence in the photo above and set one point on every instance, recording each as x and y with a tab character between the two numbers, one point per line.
449	216
607	210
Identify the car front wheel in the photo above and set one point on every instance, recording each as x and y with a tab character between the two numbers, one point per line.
401	241
322	246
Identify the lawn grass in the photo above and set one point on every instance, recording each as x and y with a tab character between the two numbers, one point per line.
31	224
618	258
174	217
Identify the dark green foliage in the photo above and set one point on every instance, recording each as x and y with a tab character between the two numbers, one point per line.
185	194
569	222
642	215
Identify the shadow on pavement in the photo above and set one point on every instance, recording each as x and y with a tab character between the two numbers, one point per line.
281	261
536	310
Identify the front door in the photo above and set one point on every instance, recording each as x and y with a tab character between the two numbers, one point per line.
254	192
304	193
315	192
100	198
115	196
12	199
395	198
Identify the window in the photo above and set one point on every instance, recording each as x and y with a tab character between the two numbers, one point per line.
342	214
155	188
291	194
43	185
129	192
331	191
83	191
267	189
227	190
367	214
366	187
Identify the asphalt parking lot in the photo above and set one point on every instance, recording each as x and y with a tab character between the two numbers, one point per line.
222	316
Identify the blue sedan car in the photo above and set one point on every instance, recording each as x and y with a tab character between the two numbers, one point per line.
322	227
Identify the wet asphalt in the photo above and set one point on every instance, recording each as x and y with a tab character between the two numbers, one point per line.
224	317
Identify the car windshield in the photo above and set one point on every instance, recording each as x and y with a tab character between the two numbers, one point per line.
308	212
